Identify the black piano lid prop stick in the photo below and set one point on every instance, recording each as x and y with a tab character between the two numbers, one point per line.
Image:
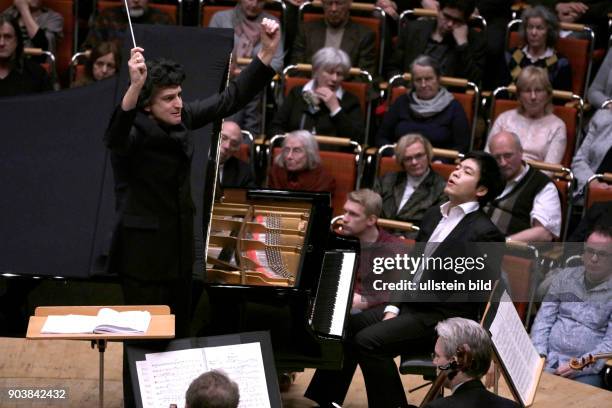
127	10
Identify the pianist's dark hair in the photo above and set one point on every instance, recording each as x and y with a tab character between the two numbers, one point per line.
490	175
17	58
161	73
212	389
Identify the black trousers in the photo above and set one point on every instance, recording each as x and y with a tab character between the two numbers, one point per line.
373	344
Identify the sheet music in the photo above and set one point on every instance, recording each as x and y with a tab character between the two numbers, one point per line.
514	347
146	383
243	364
172	372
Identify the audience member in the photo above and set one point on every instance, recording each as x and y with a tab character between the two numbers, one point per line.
336	30
601	87
111	23
460	51
18	75
102	63
407	194
595	153
529	208
245	19
233	172
575	318
378	334
298	166
540	31
594	13
361	211
322	106
542	134
466	386
213	389
428	109
40	27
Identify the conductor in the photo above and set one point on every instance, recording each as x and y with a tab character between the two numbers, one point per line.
152	146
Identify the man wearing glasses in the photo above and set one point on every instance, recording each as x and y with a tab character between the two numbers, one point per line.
575	319
233	172
459	50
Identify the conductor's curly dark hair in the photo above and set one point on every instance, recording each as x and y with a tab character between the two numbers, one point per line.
161	72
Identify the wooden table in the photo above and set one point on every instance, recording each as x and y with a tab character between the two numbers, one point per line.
160	327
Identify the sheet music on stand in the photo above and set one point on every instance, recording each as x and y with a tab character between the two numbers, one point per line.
161	378
520	363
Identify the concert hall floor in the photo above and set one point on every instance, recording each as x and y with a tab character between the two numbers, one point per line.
74	365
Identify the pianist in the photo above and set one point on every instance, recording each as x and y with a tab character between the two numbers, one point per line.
377	335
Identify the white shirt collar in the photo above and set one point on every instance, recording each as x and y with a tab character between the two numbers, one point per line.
547	54
310	87
465	208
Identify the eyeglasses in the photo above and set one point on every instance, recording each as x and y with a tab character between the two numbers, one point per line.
233	144
590	251
538	91
416	157
338	3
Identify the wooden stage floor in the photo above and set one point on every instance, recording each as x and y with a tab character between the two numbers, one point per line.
73	365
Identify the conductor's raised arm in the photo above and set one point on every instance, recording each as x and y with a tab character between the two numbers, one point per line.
138	74
270	39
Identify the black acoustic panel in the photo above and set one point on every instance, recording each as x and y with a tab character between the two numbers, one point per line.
51	170
56	186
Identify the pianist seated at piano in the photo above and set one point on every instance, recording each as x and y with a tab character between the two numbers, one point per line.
361	211
298	167
379	334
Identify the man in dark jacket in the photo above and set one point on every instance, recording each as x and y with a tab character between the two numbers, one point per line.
233	172
459	50
149	135
454	230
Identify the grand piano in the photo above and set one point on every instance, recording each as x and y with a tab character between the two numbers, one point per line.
273	264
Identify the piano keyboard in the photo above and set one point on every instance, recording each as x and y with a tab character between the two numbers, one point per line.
333	297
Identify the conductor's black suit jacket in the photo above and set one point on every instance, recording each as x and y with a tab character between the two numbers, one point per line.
153	239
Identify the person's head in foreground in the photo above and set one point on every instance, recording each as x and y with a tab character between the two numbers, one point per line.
476	178
212	389
455	333
507	149
329	67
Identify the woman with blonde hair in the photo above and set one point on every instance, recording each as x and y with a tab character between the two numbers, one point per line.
542	134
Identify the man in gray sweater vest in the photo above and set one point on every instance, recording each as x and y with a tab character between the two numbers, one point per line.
529	208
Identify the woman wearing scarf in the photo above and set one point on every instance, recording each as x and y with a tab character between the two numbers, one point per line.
245	19
428	109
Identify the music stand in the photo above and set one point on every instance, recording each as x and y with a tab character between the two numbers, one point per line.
160	327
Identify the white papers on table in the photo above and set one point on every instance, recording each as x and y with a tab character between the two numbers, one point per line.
106	321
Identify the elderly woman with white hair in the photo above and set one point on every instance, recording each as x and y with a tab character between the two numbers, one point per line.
322	106
298	167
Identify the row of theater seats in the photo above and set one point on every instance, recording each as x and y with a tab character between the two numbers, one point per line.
579	52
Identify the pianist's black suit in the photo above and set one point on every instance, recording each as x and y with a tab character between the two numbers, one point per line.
373	343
